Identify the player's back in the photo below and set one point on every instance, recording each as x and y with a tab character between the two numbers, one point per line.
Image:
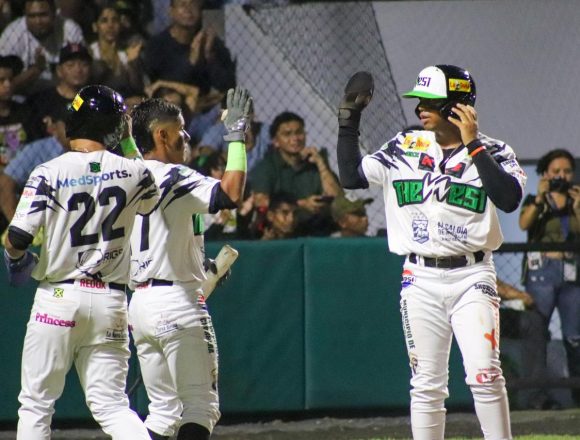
87	204
168	243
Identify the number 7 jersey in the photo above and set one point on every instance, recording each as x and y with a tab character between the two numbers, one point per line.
87	203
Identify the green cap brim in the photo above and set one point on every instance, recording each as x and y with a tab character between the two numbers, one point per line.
419	94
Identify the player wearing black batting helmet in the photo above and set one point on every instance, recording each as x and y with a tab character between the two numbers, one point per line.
97	113
442	87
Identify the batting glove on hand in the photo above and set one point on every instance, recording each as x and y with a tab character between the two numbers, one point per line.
210	265
19	269
357	95
237	116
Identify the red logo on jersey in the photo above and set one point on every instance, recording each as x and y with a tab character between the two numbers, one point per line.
487	375
456	171
426	162
491	338
92	284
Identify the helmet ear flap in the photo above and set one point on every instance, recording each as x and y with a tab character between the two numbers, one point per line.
447	110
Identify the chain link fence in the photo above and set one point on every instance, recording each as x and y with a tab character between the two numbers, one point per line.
300	57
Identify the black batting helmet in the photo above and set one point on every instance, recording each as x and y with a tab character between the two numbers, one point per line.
96	113
445	83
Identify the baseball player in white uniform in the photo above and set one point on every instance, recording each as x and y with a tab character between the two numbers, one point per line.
171	326
441	188
86	200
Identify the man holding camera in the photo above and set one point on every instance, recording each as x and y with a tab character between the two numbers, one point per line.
553	278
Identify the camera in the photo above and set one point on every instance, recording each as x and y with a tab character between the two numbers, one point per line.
559	185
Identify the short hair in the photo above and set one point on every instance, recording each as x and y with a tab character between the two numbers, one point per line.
51	3
282	118
147	113
551	155
279	198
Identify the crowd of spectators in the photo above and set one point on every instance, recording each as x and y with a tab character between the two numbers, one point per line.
50	49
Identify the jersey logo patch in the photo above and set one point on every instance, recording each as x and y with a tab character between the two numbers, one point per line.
95	167
420	230
456	171
58	292
426	162
412	142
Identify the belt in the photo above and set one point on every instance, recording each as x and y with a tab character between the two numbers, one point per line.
446	262
115	286
158	283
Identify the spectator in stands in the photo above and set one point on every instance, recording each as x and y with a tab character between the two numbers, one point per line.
14	117
280	217
133	14
188	53
6	13
113	65
15	176
553	278
227	223
301	171
257	140
73	73
525	323
183	95
37	38
350	216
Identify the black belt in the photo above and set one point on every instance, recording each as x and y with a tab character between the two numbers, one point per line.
115	286
158	283
447	262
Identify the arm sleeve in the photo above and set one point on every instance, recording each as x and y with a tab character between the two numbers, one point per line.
501	186
20	239
350	159
219	200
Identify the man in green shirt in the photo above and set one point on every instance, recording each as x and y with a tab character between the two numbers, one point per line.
302	171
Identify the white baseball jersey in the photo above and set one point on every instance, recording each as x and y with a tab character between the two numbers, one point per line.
87	203
436	206
167	244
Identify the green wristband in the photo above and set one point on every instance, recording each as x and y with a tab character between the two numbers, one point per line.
129	148
237	157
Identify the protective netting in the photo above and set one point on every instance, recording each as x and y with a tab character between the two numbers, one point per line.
300	57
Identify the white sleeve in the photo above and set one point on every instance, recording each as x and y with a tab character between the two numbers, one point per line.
191	190
149	193
36	198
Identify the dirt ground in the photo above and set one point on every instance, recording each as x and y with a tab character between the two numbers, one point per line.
328	428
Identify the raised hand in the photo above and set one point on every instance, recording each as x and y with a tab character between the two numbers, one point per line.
237	116
357	95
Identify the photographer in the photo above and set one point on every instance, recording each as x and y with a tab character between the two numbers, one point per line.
553	278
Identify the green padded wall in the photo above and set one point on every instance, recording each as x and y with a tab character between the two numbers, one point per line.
307	324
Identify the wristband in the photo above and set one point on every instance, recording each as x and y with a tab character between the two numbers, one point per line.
237	157
129	148
472	146
477	151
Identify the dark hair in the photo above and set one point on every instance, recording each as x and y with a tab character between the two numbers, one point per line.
282	118
547	159
12	62
145	114
50	3
280	198
211	161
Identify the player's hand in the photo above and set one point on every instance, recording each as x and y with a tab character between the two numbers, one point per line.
237	116
466	121
19	269
209	265
543	188
357	95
